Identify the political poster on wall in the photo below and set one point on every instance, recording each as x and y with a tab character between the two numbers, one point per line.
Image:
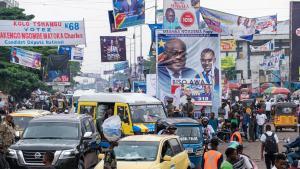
295	41
269	46
41	33
180	14
57	70
272	62
75	53
153	28
139	87
26	58
112	23
188	64
129	13
240	27
228	45
121	66
151	84
113	48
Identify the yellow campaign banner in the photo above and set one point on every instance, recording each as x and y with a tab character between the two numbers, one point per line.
228	45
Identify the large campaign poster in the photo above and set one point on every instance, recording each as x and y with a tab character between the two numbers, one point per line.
295	41
269	46
41	33
188	64
26	58
57	70
75	53
238	26
113	48
180	14
129	13
112	23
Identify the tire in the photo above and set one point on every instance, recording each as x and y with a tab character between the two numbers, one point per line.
80	164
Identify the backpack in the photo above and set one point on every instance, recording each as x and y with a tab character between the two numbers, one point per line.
270	144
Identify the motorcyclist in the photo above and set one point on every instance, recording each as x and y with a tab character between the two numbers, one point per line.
207	129
293	155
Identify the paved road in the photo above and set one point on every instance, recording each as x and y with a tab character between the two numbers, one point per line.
253	148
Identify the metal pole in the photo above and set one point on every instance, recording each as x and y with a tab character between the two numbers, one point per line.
134	45
155	11
130	66
141	51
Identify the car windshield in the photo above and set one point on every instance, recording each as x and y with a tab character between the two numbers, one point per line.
21	122
189	135
136	151
147	113
51	130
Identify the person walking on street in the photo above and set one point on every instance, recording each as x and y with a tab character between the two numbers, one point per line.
245	124
261	120
212	159
268	109
269	147
188	108
231	157
7	133
213	121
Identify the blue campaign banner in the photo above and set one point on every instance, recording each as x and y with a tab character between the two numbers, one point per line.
188	64
153	28
65	50
129	13
139	87
121	66
25	58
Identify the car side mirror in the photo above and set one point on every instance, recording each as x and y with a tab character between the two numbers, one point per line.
87	135
167	158
101	156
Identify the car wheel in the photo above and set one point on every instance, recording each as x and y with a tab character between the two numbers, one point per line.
80	164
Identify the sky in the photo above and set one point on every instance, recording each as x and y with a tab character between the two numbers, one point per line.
94	13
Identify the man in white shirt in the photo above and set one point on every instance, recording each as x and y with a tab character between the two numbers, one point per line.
260	120
268	108
269	147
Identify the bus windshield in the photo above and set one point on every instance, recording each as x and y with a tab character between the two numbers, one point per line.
147	113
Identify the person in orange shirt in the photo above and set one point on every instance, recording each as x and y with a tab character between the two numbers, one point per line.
212	159
236	135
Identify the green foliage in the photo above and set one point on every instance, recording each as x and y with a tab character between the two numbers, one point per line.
14	14
151	65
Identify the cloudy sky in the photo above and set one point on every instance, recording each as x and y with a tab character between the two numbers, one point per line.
94	13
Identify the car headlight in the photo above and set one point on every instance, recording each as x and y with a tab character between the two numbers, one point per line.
12	153
68	154
199	152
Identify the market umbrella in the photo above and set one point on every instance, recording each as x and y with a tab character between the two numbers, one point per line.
267	85
234	85
276	90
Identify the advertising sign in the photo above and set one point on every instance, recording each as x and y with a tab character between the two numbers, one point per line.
269	46
129	13
74	53
228	62
295	41
57	70
112	23
188	64
139	87
121	66
151	84
180	14
228	45
113	48
272	62
238	26
26	58
41	33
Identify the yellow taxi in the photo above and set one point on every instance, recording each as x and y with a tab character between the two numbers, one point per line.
21	118
150	152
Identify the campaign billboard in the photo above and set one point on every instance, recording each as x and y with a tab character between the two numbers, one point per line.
153	28
129	13
238	26
139	87
112	23
180	14
57	70
295	41
188	64
41	33
269	46
113	48
74	53
26	58
272	62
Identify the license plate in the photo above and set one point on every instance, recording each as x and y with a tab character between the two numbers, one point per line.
189	150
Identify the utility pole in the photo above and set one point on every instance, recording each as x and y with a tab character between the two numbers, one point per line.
155	7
